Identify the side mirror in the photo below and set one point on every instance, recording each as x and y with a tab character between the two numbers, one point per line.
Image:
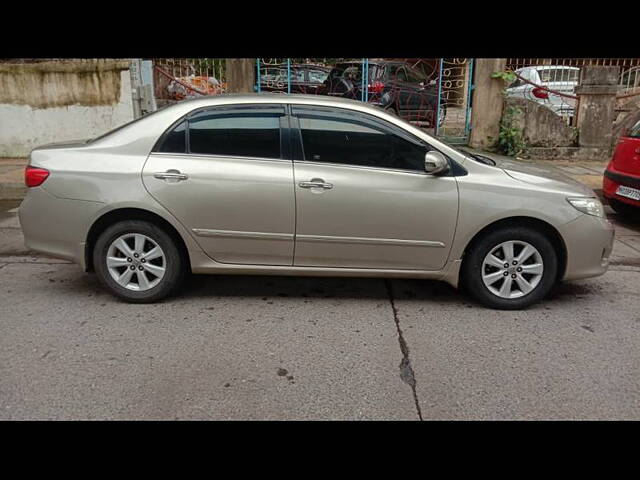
435	163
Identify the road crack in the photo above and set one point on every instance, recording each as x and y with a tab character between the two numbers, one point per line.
406	370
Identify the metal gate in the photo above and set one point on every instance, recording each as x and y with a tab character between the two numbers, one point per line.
432	93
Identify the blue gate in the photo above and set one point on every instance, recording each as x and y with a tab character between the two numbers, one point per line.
434	94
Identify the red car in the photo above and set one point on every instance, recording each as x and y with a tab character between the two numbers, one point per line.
621	183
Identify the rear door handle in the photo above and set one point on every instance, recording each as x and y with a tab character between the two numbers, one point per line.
316	183
171	175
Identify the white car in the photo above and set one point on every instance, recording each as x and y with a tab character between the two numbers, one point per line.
558	78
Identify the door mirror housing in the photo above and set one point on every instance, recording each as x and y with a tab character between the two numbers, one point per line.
435	163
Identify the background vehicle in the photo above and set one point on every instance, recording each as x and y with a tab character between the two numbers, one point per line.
305	185
559	78
621	182
305	78
394	86
630	80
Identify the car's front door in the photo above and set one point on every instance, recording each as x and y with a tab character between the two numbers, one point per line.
363	198
224	175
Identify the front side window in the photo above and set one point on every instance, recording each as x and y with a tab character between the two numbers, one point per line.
235	134
353	142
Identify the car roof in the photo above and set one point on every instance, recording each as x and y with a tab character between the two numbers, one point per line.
372	62
295	65
269	97
550	67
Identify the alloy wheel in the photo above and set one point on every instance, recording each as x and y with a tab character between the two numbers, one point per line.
512	269
136	262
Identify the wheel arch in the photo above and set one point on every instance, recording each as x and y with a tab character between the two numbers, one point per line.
529	222
113	216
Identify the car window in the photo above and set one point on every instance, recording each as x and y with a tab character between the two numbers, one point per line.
273	75
297	75
414	76
631	78
235	134
397	72
175	140
317	76
635	131
335	139
558	75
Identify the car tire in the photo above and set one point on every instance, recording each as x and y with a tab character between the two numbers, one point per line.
163	272
488	283
624	208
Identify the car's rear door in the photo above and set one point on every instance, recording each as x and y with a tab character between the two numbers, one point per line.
363	198
225	174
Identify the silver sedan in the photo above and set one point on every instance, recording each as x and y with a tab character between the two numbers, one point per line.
306	185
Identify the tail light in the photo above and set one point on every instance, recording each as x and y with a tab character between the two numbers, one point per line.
34	176
540	93
376	87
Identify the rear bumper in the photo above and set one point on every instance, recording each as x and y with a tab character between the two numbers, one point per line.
613	179
589	242
55	226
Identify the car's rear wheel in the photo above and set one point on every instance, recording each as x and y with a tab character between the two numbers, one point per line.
138	261
510	268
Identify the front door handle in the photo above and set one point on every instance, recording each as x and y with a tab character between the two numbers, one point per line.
171	175
316	183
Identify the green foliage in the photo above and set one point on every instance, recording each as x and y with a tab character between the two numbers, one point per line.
507	76
510	140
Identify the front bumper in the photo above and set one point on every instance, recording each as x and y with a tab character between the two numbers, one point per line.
613	179
589	242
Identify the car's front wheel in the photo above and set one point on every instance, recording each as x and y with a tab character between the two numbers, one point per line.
510	268
138	261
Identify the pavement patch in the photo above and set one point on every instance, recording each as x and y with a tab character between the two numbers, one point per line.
573	356
69	350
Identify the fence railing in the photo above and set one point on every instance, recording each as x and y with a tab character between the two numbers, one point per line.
628	82
180	78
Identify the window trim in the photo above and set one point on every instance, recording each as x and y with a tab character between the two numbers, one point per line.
280	109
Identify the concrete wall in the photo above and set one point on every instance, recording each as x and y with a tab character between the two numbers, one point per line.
541	127
57	101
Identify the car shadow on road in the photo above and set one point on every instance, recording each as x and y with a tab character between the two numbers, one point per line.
269	288
302	287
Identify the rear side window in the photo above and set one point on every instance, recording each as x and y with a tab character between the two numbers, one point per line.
337	139
175	140
235	134
245	131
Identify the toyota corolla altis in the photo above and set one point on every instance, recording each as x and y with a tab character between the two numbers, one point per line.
306	185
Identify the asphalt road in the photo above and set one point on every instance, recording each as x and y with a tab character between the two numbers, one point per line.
314	348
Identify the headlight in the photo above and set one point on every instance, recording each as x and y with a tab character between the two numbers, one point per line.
588	205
